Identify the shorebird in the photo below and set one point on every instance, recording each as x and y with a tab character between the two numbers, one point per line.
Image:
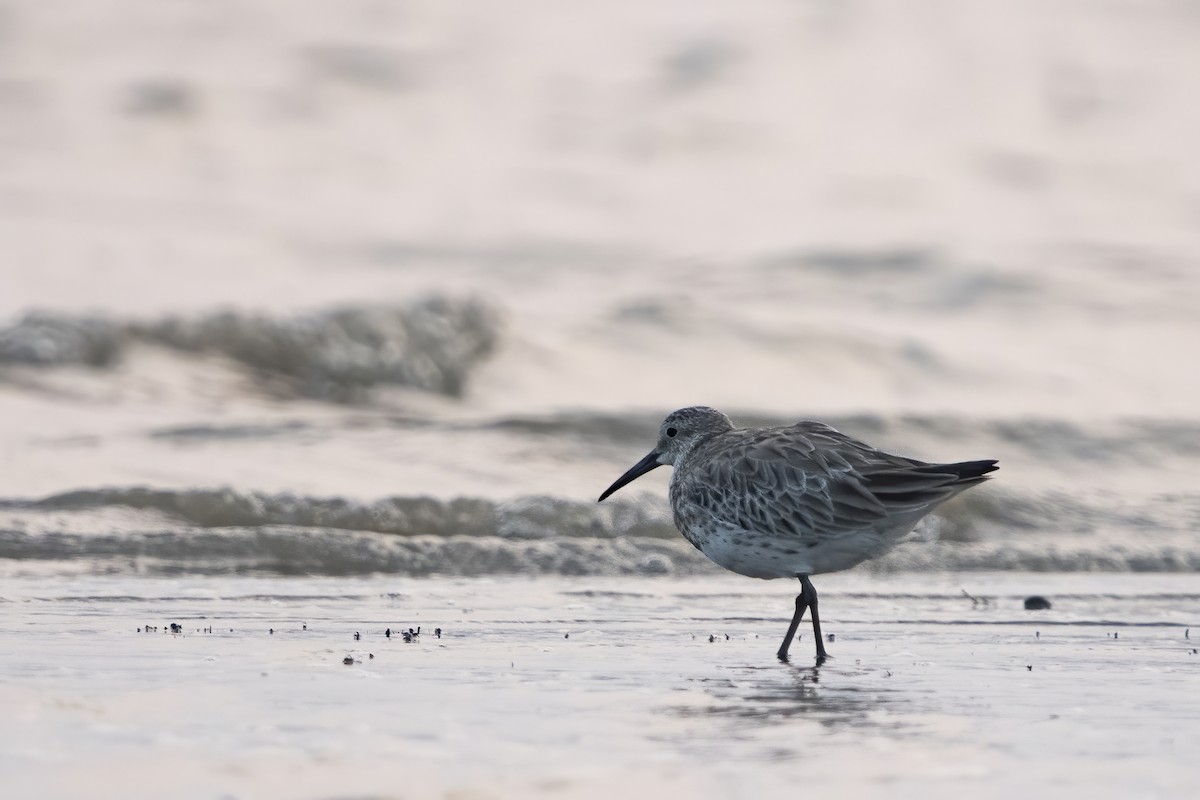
792	501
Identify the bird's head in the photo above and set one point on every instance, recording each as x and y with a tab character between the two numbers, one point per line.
678	435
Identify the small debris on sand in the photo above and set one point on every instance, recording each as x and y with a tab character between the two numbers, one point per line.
348	660
976	602
1035	602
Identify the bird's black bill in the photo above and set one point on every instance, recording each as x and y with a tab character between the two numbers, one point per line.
636	471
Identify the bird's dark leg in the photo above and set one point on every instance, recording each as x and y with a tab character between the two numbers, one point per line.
801	605
810	593
805	600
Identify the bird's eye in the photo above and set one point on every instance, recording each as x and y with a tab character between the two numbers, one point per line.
671	432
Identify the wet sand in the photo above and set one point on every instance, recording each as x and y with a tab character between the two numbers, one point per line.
586	687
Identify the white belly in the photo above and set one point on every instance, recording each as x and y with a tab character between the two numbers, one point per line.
760	556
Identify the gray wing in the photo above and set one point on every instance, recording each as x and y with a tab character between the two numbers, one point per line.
813	483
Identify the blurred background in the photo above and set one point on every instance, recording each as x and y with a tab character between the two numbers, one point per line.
310	287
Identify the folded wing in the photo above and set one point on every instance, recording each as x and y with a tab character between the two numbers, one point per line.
814	483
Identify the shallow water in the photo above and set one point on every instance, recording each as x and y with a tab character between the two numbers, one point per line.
562	687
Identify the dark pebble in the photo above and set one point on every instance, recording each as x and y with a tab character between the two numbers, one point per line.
1036	602
348	660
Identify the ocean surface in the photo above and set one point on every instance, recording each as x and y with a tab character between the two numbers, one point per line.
469	433
401	289
460	435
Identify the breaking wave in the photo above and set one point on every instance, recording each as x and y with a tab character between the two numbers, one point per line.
524	518
222	531
306	551
337	354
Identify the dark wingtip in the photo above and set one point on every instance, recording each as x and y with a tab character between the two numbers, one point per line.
974	469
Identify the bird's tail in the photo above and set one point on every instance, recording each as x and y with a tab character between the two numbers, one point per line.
924	486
